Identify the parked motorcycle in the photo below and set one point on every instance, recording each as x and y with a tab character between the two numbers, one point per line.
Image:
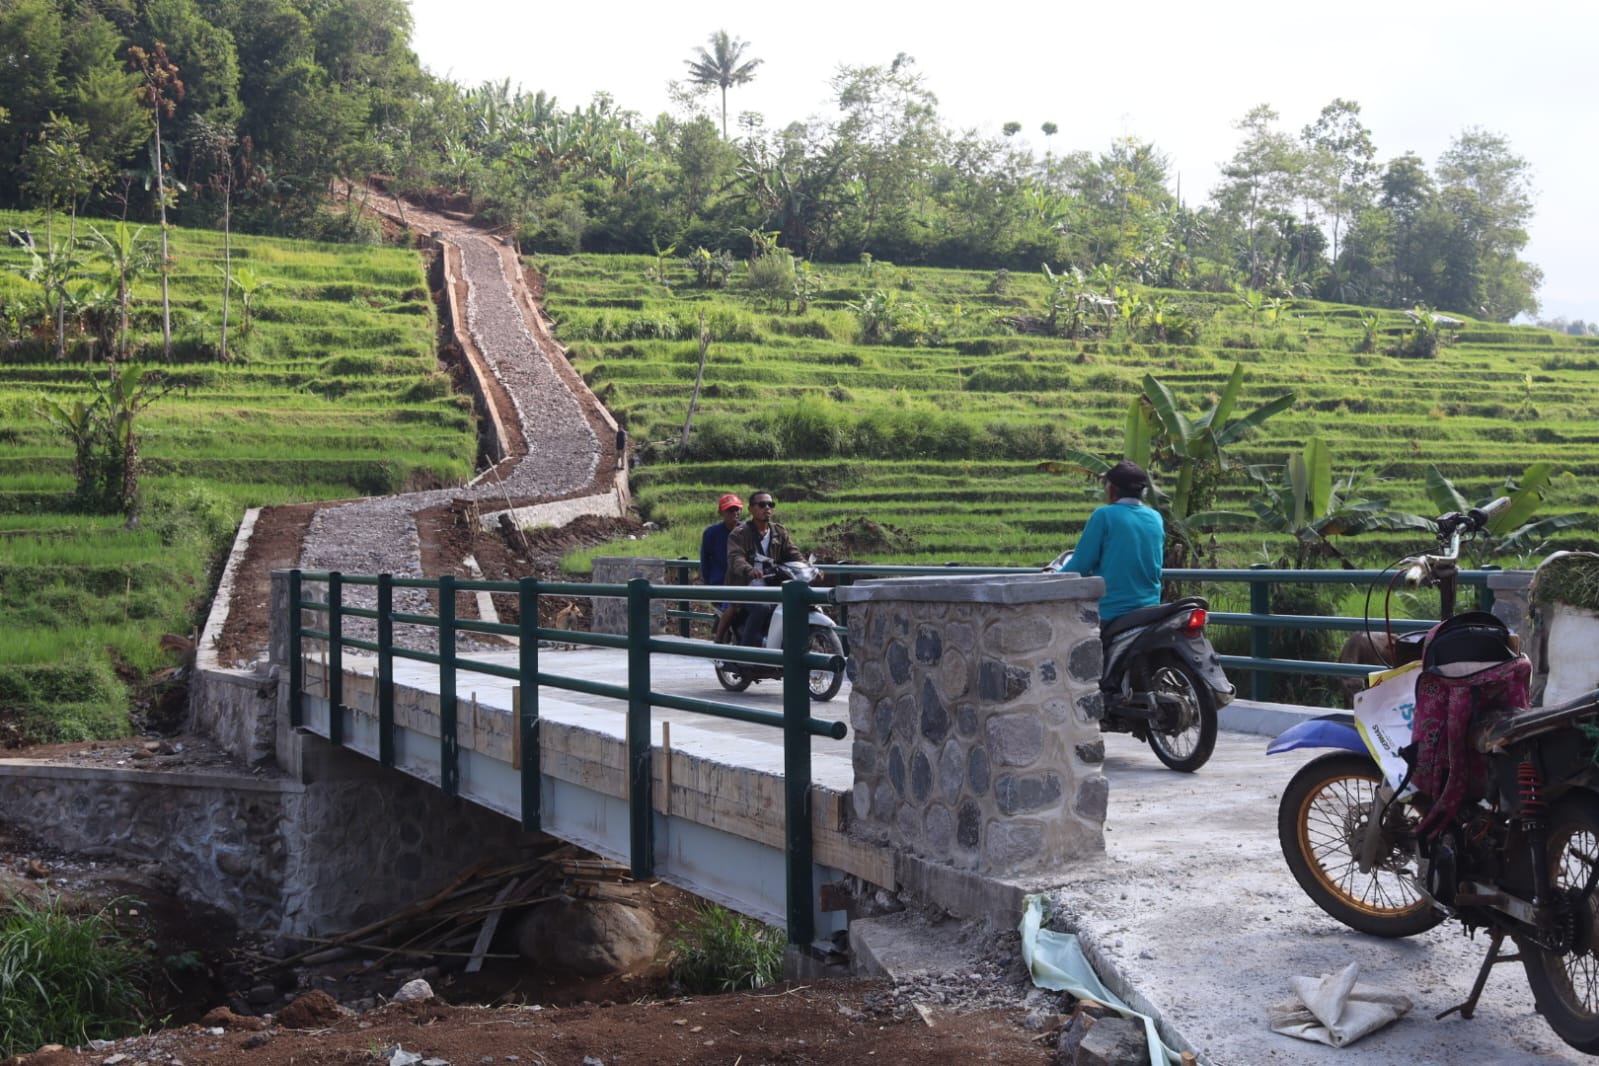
823	683
1161	680
1510	843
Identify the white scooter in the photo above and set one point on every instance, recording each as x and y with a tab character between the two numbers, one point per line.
823	684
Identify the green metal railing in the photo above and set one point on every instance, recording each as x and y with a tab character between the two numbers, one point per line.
795	658
1259	619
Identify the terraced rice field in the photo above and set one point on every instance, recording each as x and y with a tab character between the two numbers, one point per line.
941	437
334	392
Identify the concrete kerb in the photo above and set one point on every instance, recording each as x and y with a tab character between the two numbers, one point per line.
205	655
1264	719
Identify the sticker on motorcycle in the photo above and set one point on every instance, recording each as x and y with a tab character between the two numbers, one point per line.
1384	715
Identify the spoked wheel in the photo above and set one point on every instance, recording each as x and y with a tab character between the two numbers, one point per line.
1185	736
824	684
1566	985
727	674
1322	820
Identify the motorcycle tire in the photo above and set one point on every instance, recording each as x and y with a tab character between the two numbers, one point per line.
728	674
1566	986
824	684
1188	748
1324	809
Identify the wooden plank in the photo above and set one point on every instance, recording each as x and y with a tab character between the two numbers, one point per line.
491	922
516	728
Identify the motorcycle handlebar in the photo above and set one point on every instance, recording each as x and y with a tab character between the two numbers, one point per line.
1474	520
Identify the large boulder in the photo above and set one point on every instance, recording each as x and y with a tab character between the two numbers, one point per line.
591	937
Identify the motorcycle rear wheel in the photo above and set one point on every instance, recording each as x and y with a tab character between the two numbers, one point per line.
1323	813
1566	987
728	675
824	684
1188	747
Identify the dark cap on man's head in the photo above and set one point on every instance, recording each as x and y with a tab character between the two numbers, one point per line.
1128	476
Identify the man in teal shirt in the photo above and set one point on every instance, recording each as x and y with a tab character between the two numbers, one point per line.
1123	543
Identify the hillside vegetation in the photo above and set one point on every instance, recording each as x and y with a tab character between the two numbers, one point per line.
925	400
333	391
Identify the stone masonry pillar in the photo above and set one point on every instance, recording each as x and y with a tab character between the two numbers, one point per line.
974	746
610	613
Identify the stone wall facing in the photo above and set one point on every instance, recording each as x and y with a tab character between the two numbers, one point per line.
277	855
974	745
217	836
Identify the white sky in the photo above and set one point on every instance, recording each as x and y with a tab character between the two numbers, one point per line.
1175	74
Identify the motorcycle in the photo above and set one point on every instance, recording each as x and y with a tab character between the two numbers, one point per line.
1510	842
736	677
1161	680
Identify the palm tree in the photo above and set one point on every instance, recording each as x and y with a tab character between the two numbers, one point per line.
719	65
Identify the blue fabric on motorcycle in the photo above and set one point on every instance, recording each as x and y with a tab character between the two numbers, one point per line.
1468	671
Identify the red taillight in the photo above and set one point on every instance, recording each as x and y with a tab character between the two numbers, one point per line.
1194	624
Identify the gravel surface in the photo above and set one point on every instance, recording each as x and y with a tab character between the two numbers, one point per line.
379	535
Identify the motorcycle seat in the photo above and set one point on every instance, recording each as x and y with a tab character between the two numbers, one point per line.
1499	732
1144	616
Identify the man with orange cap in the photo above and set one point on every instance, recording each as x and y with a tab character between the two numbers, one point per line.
713	549
713	542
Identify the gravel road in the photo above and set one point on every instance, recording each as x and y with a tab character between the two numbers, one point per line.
379	535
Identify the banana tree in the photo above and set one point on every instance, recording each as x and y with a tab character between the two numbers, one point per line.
83	424
127	255
1513	531
1188	454
250	288
1161	437
1301	498
51	270
126	394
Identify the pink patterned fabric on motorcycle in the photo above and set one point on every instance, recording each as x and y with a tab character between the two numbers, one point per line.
1449	768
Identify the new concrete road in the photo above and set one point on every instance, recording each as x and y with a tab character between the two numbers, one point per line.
1192	906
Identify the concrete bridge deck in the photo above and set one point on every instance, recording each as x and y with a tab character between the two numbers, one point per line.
1191	913
717	783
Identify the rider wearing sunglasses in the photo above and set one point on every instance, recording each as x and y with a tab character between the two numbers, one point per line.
756	538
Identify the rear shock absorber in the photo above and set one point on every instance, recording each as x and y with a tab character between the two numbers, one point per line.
1534	826
1529	785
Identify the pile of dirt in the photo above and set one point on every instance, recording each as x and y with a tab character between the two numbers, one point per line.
454	533
861	538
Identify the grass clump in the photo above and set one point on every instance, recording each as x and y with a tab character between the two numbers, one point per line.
1572	578
66	978
721	951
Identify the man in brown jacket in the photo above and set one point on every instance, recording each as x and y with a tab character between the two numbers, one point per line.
758	538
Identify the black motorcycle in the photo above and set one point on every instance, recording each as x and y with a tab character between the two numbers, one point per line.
1519	857
1163	683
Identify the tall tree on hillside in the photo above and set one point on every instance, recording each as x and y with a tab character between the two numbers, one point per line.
1260	182
1488	189
891	138
32	42
1338	169
1124	199
723	66
217	142
1385	239
160	91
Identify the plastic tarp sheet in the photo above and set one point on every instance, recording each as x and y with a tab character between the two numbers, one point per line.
1056	962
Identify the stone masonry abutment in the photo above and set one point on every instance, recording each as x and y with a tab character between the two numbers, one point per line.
977	752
